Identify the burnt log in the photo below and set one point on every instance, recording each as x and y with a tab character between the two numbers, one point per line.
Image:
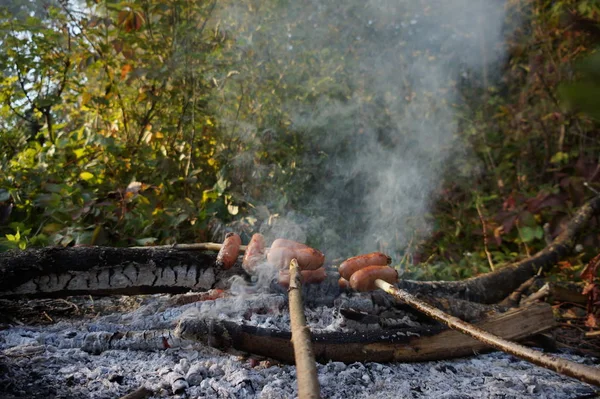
61	272
403	345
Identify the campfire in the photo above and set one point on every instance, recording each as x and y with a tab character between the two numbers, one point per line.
234	299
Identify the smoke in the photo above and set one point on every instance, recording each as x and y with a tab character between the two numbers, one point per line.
370	91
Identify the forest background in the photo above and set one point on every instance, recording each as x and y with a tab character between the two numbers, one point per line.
158	122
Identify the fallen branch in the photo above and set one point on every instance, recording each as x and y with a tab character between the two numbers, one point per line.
306	369
579	371
494	286
539	294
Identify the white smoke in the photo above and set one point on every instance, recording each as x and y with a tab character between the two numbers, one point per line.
373	87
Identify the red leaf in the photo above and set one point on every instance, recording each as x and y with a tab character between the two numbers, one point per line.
589	287
544	200
590	271
592	321
509	203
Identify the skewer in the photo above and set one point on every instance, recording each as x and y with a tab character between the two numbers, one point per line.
579	371
202	246
306	367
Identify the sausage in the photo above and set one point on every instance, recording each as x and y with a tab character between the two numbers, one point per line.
255	253
364	279
308	276
281	257
283	243
343	283
308	258
230	251
351	265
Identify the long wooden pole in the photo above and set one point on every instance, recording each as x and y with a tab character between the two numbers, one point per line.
306	366
581	372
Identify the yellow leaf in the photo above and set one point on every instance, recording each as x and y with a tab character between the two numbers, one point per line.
85	98
86	176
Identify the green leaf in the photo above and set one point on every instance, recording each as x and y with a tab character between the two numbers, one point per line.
559	157
527	234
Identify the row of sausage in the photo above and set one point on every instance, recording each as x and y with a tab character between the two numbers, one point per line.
358	272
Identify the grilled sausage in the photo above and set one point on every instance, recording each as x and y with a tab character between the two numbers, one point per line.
255	253
280	257
364	279
230	251
283	243
343	283
308	258
351	265
308	276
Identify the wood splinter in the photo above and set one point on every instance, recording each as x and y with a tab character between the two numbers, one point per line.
306	366
579	371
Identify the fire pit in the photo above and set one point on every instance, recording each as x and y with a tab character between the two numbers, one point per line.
232	337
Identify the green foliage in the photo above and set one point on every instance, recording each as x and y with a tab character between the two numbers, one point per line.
584	94
95	102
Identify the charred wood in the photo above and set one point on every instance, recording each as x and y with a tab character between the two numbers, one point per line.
60	272
406	345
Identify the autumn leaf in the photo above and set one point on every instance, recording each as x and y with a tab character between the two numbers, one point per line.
592	321
590	271
125	70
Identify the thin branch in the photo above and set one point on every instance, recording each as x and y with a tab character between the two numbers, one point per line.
26	119
485	237
579	371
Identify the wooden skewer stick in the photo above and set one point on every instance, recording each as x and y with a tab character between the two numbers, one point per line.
579	371
306	367
203	246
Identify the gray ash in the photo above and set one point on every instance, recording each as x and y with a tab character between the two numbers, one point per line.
52	361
